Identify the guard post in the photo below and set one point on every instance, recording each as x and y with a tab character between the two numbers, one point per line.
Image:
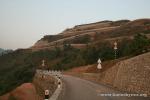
46	94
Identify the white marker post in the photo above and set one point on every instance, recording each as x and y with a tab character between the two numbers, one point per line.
43	65
46	94
99	66
115	49
59	83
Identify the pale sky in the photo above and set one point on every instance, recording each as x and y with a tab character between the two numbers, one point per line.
23	22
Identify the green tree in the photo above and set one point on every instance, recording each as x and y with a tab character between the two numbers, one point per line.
139	44
106	51
90	55
124	48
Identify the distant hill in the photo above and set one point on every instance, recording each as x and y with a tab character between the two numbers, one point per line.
80	35
2	51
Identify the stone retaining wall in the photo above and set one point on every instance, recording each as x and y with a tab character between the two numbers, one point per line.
131	75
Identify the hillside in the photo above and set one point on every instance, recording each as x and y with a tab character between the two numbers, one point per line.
131	75
84	44
81	35
15	69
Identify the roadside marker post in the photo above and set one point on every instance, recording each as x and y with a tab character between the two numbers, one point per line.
115	49
99	66
46	94
43	65
59	83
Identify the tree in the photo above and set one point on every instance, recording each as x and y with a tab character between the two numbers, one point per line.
106	51
90	55
124	48
139	43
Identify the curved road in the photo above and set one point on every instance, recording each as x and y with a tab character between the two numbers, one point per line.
78	89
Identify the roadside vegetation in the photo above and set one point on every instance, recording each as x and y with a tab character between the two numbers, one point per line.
69	57
15	69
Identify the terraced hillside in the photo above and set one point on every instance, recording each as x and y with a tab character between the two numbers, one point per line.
81	35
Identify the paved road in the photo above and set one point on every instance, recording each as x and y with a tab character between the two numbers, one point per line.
78	89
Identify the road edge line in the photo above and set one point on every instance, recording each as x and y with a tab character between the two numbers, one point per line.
57	92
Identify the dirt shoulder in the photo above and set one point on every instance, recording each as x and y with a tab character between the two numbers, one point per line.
25	91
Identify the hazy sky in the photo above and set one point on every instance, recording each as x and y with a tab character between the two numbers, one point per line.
23	22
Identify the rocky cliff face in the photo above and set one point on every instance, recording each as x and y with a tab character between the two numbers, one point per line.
97	32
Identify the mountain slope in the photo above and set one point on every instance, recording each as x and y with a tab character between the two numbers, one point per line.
84	44
95	32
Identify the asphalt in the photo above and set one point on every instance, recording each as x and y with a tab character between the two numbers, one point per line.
78	89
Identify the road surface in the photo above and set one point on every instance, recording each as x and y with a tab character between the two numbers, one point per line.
78	89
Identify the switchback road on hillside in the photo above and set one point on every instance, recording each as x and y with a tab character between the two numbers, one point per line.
78	89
